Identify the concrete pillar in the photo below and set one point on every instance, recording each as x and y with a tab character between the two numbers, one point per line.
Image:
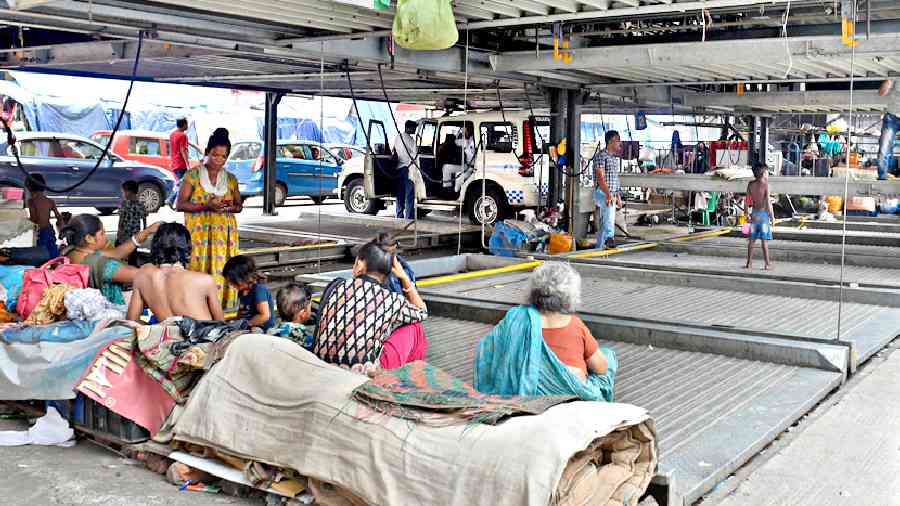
751	139
557	132
270	141
577	220
763	144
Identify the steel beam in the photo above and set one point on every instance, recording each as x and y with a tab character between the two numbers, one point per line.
777	184
271	140
837	100
557	129
725	52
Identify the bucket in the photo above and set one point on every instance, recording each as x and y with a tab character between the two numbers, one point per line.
559	243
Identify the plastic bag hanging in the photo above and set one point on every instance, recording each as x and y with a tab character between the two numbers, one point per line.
425	24
382	5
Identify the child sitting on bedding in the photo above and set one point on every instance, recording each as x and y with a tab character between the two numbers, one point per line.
295	310
256	304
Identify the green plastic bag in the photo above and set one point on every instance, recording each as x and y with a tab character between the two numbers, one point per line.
425	24
382	5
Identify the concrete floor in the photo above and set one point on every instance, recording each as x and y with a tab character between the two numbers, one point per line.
88	474
849	454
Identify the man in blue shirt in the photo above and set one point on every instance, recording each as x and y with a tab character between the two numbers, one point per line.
607	164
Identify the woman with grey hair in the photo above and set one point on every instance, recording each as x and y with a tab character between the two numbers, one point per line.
544	348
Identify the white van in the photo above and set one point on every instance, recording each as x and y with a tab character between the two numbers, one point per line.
511	165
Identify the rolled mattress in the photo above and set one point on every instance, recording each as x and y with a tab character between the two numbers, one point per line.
271	401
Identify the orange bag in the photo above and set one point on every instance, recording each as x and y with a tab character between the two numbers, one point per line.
559	243
835	203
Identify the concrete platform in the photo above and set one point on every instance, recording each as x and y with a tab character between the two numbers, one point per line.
792	251
773	312
713	412
358	229
692	262
882	238
847	455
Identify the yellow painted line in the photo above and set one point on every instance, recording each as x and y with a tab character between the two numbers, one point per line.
440	280
704	235
613	251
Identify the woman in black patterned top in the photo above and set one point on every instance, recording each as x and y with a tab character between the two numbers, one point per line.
358	315
132	217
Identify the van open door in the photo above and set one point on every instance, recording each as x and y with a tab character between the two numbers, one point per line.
381	168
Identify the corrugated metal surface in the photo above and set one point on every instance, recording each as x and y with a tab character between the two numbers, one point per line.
764	313
851	249
695	398
806	271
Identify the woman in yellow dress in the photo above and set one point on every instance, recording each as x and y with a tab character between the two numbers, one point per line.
209	197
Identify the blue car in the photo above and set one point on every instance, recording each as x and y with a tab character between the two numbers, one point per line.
65	159
303	170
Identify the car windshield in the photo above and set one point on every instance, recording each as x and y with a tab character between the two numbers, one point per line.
61	148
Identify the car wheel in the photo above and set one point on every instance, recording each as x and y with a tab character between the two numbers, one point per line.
355	199
487	209
280	194
106	211
151	196
317	200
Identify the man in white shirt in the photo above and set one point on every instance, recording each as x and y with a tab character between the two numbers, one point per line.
890	123
407	152
467	143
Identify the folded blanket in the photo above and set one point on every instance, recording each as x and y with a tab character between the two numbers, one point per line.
426	394
271	401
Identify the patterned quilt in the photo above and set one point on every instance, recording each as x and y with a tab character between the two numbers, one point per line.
424	393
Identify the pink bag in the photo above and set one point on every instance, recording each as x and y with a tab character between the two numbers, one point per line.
34	281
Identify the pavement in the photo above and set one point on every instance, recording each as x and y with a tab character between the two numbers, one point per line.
87	474
847	453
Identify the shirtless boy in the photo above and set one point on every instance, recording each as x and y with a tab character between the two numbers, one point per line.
39	208
762	214
167	288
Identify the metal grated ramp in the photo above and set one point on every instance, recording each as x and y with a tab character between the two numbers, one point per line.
713	413
873	276
780	244
868	327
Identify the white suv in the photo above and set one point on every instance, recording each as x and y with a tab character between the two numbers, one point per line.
510	171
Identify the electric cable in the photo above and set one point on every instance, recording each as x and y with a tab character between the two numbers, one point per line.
846	185
15	150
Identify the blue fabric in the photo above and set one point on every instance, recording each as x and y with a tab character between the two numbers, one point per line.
394	284
11	279
248	301
606	226
760	226
514	359
406	195
47	240
889	126
60	332
506	240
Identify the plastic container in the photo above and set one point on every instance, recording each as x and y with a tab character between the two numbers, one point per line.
559	243
98	419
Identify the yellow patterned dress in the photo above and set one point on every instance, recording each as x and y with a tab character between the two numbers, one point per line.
214	237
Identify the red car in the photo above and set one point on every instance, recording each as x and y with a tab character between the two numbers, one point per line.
146	147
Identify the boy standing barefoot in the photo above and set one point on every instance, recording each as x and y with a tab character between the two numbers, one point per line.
762	214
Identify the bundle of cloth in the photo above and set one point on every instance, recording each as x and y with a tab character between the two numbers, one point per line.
270	400
733	173
46	362
145	374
